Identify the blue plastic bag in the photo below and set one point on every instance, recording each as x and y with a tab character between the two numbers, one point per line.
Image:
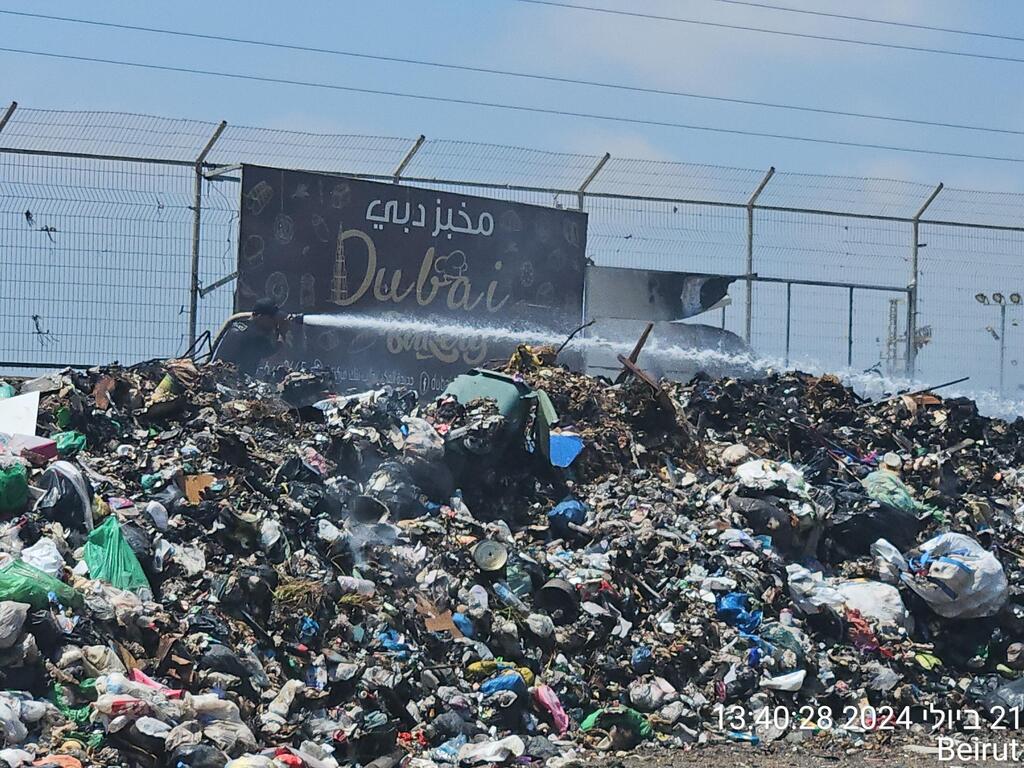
391	641
506	681
566	511
465	625
642	660
734	609
564	449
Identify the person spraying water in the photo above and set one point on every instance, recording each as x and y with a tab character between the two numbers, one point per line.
250	341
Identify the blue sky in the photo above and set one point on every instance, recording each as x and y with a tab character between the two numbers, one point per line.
511	35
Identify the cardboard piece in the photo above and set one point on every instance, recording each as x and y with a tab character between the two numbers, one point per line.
18	414
195	485
442	623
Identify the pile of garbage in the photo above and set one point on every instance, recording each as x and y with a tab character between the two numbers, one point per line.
199	569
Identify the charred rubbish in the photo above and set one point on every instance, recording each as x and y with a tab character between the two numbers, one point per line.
202	569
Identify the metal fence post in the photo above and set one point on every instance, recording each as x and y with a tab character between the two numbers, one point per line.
1002	346
581	193
7	114
912	294
197	223
750	249
849	330
397	176
789	317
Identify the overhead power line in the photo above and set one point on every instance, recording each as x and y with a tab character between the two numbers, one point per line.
781	32
867	20
511	107
524	75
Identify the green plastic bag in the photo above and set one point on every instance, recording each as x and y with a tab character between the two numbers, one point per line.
78	715
887	488
6	390
63	417
69	443
624	717
13	487
25	583
110	559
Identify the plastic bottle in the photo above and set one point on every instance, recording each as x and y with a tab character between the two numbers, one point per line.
509	598
518	580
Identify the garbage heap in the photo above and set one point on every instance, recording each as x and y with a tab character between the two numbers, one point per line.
199	569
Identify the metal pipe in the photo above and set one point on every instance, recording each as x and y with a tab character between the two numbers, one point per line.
197	216
8	113
750	249
911	361
221	170
831	284
208	289
94	156
582	191
920	391
849	330
396	177
52	366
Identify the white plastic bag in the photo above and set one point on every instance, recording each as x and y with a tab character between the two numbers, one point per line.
230	737
492	751
16	758
810	592
12	619
875	601
251	761
422	441
813	593
45	556
767	475
11	727
209	707
791	681
956	576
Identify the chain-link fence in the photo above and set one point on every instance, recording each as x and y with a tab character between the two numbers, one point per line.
118	238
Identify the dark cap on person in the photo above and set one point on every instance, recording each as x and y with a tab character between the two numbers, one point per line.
265	307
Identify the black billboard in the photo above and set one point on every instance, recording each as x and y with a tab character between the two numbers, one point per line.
418	260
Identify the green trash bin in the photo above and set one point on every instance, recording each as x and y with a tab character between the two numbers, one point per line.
515	401
514	398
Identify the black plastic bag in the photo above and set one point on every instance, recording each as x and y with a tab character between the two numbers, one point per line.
854	529
67	497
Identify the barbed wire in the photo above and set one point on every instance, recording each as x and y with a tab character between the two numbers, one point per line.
177	140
